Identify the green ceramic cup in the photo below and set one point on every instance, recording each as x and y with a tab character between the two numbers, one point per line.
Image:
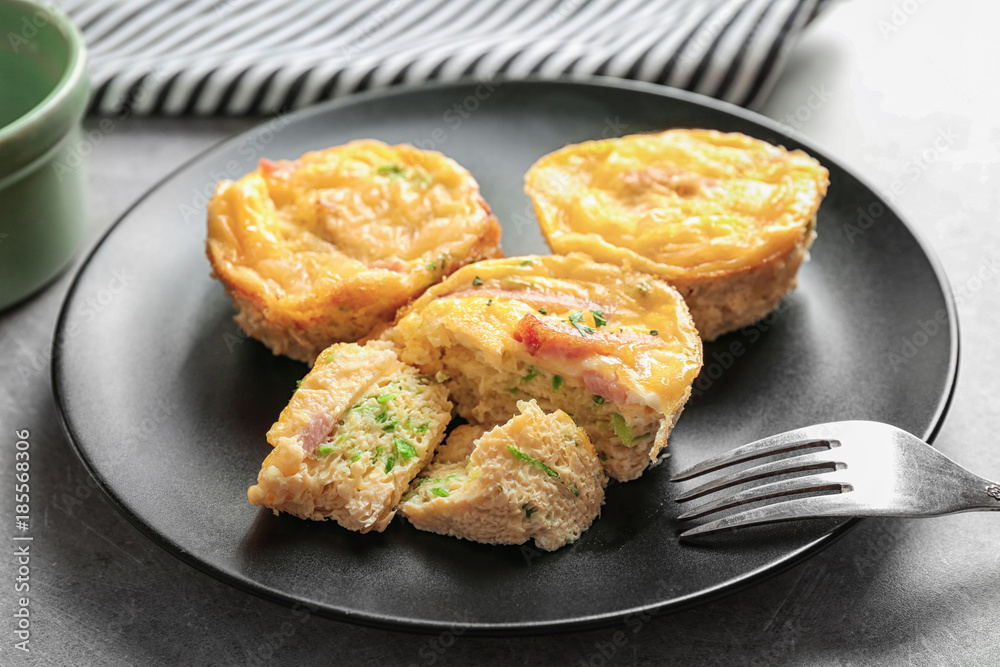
43	95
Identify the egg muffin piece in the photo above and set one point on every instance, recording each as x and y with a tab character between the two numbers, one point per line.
358	429
725	218
613	348
327	247
537	476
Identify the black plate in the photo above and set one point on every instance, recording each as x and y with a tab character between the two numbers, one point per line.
167	403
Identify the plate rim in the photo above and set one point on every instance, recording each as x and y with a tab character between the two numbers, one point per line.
579	623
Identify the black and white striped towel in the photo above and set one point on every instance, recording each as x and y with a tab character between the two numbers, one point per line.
261	56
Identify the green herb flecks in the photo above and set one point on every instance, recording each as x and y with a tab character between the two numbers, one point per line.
514	390
356	457
391	426
654	332
576	319
527	262
543	311
528	510
389	463
422	428
382	416
440	491
532	374
622	429
557	382
518	454
385	397
405	450
324	450
599	319
598	399
393	171
477	281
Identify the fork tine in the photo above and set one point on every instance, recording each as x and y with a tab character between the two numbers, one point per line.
785	487
811	461
786	510
777	444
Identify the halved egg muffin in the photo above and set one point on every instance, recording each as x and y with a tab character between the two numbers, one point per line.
615	349
725	218
358	429
537	476
327	247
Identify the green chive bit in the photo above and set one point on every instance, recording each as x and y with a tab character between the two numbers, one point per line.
356	457
528	511
431	266
391	426
440	491
514	390
532	374
599	318
422	428
622	429
298	383
385	397
477	281
602	456
654	332
575	491
405	450
324	450
393	171
543	311
518	454
490	302
390	462
382	416
557	382
598	399
527	262
576	319
328	357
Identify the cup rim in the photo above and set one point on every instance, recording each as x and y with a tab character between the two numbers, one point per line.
66	87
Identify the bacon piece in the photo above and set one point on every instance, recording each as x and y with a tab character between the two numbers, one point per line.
543	339
394	265
316	431
610	389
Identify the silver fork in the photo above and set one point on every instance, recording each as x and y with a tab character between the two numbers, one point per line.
873	468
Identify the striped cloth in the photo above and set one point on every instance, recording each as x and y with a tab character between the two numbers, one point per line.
263	56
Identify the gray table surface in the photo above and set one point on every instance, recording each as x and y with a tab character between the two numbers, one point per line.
876	84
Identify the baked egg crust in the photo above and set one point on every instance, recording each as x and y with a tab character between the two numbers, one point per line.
615	349
327	247
725	218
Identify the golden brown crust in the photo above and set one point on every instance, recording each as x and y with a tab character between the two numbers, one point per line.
725	218
328	247
725	303
527	327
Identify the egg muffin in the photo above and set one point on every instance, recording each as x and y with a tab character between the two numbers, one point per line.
327	247
537	476
725	218
615	349
358	429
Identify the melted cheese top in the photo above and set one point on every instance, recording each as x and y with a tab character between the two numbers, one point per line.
362	213
647	345
677	203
